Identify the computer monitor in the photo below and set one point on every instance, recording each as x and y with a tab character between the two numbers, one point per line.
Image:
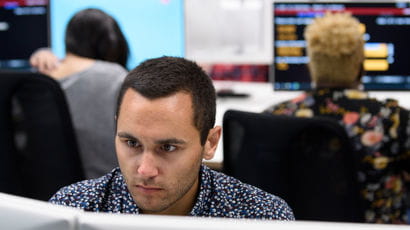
23	213
104	221
234	31
387	29
23	29
152	28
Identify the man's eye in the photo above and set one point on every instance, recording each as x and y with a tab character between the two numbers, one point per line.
132	143
168	148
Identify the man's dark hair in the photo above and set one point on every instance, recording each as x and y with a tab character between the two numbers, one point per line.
94	34
165	76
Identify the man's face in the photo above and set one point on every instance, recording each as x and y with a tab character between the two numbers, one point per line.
159	151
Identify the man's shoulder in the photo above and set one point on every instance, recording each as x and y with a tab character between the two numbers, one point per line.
87	194
242	200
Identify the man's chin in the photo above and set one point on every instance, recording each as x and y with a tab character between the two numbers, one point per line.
151	209
150	204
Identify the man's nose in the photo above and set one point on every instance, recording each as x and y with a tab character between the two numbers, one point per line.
147	165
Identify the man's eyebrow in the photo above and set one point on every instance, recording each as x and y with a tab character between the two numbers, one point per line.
126	135
159	142
170	141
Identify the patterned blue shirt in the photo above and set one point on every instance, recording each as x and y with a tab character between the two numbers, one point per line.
219	196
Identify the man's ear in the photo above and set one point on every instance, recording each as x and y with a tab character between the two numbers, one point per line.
211	142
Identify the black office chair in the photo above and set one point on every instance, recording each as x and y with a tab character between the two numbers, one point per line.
38	149
308	162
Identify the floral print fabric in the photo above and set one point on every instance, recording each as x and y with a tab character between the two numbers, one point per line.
380	134
219	196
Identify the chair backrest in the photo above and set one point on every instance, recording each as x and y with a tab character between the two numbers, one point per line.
38	149
308	162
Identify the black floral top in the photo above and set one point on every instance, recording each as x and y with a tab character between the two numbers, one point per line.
219	196
379	132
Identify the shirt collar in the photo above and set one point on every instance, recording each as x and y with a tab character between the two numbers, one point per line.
121	193
205	190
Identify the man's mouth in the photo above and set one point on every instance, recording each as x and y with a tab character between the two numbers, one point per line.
148	189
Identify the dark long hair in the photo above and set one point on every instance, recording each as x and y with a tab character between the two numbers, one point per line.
94	34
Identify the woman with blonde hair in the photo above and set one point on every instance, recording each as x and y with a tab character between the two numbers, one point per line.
379	130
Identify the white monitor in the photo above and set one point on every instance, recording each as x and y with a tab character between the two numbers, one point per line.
228	31
99	221
22	213
93	221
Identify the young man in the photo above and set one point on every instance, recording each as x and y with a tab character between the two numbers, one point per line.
165	127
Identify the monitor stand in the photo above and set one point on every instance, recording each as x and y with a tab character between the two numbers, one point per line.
227	93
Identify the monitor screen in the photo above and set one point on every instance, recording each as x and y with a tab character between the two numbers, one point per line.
23	29
152	28
387	29
230	31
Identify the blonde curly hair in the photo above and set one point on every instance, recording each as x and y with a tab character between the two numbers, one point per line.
335	47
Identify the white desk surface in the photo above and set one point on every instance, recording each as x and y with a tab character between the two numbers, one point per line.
262	96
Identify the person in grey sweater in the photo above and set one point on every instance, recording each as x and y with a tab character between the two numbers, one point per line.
91	74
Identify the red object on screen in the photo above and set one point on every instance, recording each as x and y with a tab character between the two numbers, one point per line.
253	73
